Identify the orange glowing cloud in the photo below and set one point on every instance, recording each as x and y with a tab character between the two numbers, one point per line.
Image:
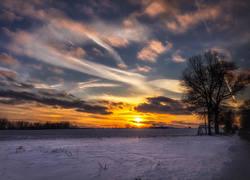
176	20
116	41
154	9
152	51
177	57
144	69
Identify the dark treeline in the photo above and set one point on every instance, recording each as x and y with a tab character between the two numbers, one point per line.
24	125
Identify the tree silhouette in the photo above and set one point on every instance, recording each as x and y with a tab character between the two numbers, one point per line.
228	118
245	115
209	80
3	123
24	125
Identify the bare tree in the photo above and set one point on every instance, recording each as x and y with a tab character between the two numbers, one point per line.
209	80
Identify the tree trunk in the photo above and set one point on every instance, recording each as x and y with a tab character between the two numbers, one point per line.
209	126
205	122
209	121
216	120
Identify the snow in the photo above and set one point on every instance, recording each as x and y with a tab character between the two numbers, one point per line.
183	157
93	133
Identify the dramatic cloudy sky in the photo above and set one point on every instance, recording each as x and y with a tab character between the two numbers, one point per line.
104	63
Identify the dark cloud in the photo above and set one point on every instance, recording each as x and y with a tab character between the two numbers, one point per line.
61	98
12	83
163	105
25	97
26	85
112	105
56	70
7	59
8	75
183	123
8	78
12	101
2	83
62	94
94	109
65	94
46	93
153	123
55	80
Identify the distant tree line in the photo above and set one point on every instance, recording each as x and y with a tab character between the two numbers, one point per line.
227	117
24	125
245	115
245	120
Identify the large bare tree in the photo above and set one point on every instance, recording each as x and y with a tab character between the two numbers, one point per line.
210	79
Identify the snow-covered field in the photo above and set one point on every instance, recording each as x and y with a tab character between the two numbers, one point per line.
93	133
184	157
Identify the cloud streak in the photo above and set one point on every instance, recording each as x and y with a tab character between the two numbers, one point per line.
58	22
205	23
31	45
42	44
26	97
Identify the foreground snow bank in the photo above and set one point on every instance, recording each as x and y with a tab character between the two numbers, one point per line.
188	157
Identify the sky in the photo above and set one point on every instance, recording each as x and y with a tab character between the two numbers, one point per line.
112	63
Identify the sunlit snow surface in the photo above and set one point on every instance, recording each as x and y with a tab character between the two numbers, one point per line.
175	157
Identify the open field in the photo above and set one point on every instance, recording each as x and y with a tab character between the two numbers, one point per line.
93	133
180	157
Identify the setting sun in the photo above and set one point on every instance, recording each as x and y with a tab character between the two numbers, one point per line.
124	89
138	120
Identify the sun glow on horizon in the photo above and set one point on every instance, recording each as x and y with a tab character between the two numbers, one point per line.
137	121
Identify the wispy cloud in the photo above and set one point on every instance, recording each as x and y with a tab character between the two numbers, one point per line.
71	51
85	85
9	16
97	51
31	45
177	57
56	70
59	24
144	68
6	59
224	52
167	84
